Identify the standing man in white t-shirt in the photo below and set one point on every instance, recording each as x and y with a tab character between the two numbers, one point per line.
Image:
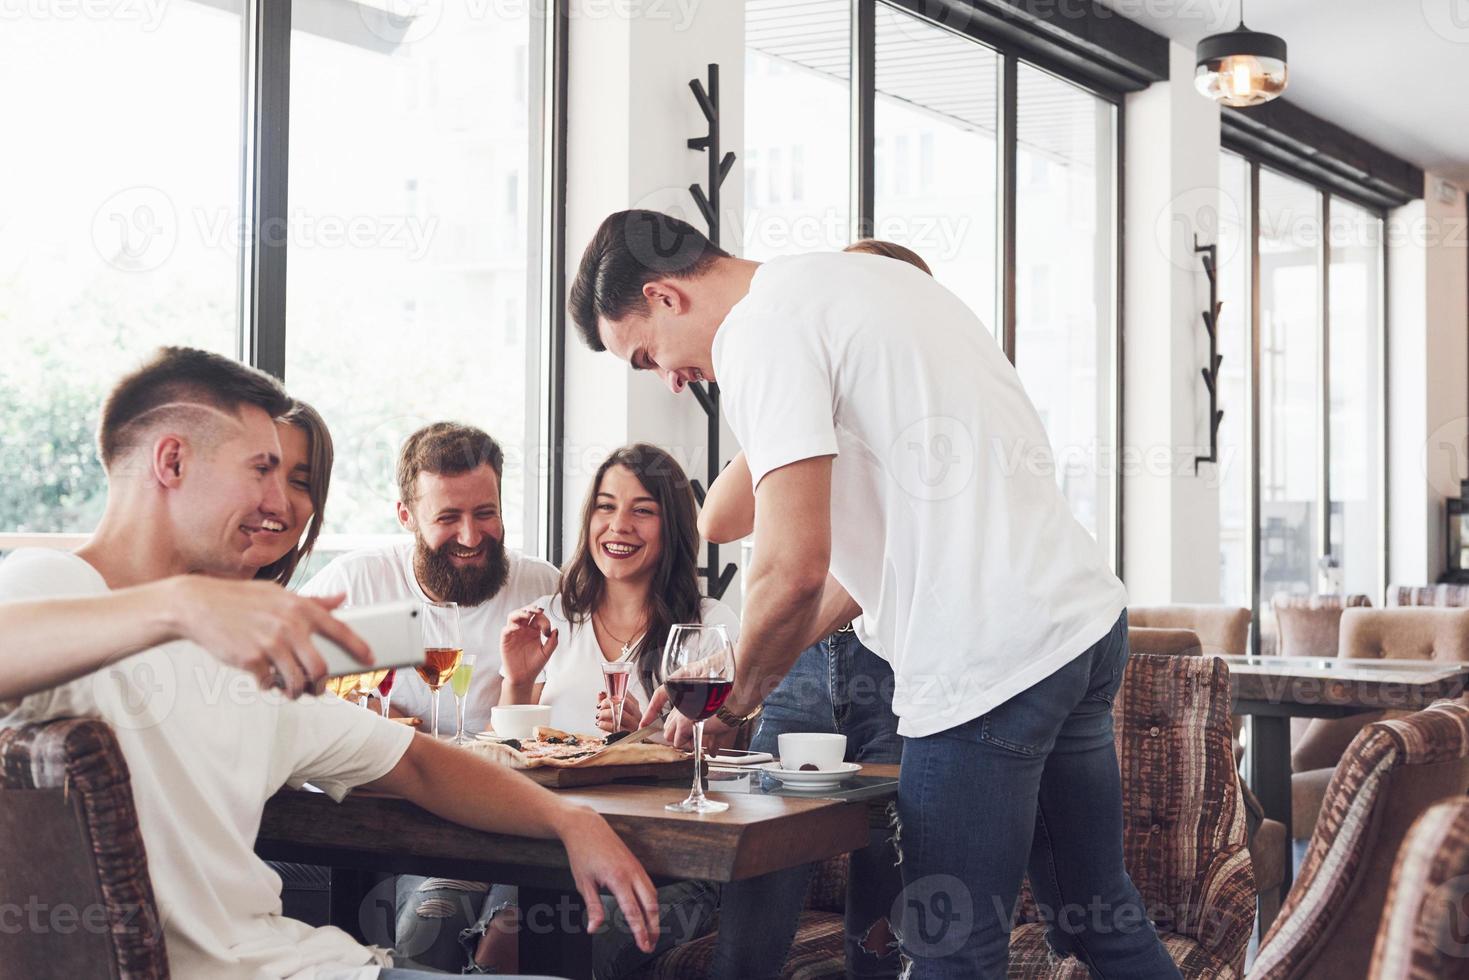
140	637
901	471
449	478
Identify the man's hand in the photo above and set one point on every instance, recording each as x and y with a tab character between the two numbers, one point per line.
262	629
679	731
526	645
600	860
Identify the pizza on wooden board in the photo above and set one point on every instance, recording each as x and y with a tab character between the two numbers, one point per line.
554	748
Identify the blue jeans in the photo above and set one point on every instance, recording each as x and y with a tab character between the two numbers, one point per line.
440	922
837	685
1032	785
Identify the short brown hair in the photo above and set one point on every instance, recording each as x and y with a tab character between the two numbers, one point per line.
878	246
181	376
630	250
445	448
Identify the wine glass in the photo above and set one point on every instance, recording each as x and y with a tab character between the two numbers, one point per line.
367	684
385	690
459	683
615	675
442	650
698	667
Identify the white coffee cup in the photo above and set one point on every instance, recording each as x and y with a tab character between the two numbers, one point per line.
819	749
519	720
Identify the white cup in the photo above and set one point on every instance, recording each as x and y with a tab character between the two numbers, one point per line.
519	720
817	749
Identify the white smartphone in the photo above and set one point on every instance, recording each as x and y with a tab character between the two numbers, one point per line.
739	757
392	630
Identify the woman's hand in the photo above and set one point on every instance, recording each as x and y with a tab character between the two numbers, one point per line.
631	713
526	644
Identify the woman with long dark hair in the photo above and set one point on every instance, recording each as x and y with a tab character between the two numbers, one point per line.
306	461
634	574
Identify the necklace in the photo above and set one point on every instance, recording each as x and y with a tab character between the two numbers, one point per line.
627	645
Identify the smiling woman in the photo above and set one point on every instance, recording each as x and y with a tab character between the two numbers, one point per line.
306	462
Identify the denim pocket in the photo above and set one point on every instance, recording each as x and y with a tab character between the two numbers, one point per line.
1109	661
995	731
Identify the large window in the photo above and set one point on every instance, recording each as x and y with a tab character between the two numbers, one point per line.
119	223
408	235
935	153
1319	338
798	140
410	172
936	144
1066	282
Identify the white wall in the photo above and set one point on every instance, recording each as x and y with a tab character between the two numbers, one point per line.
1170	193
1428	377
630	113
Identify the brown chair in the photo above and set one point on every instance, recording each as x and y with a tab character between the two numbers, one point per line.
1422	932
1309	626
1428	595
1410	633
69	842
1392	772
1223	630
1164	642
1183	821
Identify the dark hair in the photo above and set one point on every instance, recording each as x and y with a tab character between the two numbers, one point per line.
319	457
877	246
630	250
445	448
174	378
674	595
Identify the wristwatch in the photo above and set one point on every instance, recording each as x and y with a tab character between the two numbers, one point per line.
735	721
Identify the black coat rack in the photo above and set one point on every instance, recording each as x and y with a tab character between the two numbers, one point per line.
708	395
1209	255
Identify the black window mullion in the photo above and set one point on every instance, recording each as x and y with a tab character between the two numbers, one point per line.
1328	546
1008	188
864	108
267	66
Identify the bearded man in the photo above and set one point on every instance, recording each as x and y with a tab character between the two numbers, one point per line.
449	498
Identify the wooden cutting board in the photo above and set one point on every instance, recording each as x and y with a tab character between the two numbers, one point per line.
558	778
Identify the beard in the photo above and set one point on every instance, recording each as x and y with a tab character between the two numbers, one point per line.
467	586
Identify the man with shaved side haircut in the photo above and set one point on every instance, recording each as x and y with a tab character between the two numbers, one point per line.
125	630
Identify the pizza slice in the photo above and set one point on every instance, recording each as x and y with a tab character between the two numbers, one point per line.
557	749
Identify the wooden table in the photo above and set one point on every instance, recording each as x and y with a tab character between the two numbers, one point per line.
759	833
1273	690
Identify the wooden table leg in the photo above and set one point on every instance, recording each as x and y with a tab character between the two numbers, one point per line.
553	937
1270	778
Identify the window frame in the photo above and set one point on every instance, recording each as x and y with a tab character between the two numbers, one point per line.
264	127
1381	439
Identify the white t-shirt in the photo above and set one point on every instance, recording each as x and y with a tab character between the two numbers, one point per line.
948	528
206	748
386	574
573	675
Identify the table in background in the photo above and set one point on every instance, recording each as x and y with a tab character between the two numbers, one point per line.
765	829
1273	690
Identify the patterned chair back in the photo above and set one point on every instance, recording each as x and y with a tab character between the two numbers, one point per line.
1423	931
1392	772
70	844
1428	595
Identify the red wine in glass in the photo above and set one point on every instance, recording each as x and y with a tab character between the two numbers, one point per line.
697	698
386	686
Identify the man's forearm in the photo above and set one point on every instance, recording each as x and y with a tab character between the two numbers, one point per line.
476	792
46	642
780	613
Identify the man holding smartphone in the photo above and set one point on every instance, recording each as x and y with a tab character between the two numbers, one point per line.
901	471
193	467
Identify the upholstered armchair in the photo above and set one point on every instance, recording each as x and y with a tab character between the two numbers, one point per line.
1407	633
1428	595
1183	821
1309	626
1422	931
1392	772
69	839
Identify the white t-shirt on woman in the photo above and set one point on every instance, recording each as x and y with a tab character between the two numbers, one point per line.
573	676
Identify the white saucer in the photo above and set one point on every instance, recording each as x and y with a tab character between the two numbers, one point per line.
823	779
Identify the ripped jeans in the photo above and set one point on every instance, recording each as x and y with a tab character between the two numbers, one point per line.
839	686
440	922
